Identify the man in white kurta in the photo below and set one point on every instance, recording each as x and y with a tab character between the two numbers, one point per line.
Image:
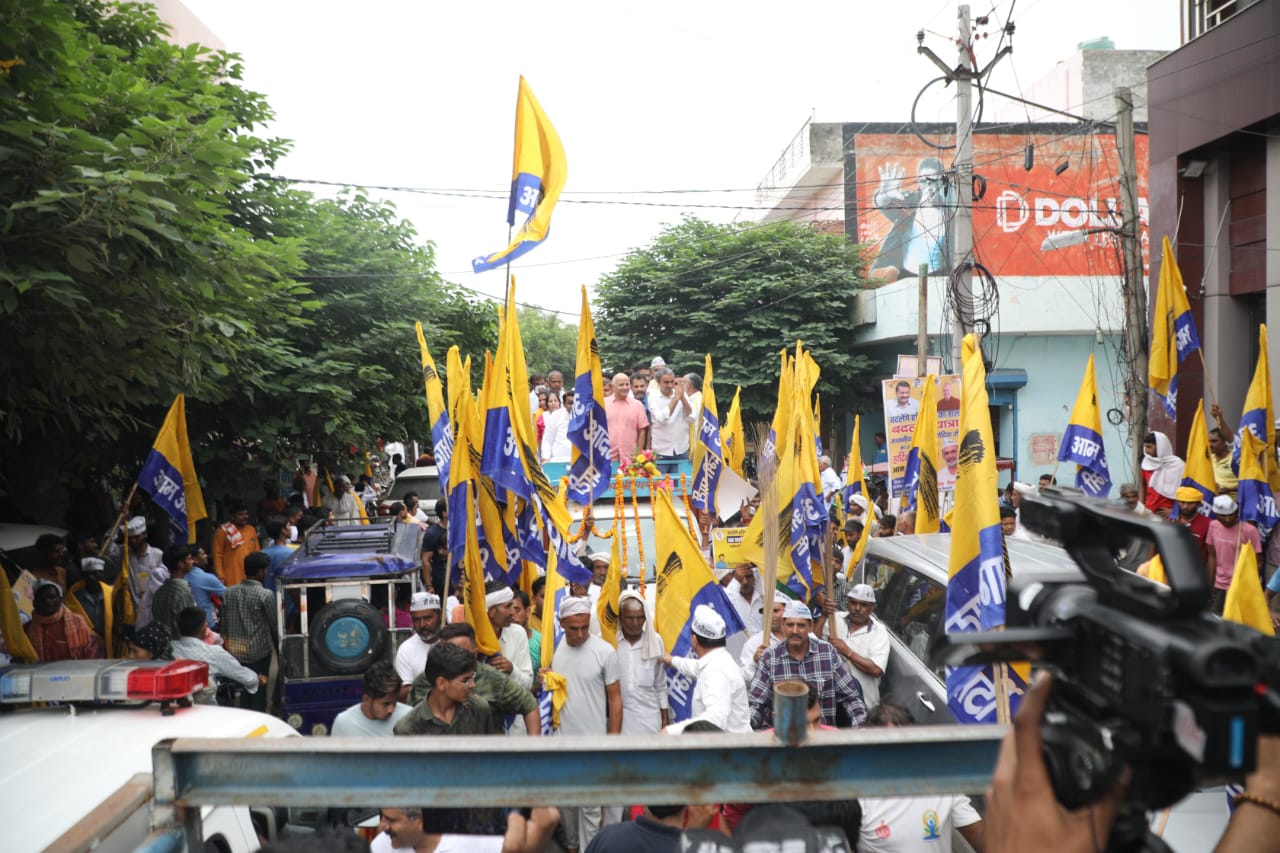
642	676
411	657
862	641
720	696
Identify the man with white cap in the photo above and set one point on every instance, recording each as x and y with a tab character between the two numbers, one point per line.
593	704
92	598
861	641
804	657
514	658
144	559
1225	538
411	659
720	697
641	675
599	574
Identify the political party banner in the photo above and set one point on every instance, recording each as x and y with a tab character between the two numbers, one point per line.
726	547
901	405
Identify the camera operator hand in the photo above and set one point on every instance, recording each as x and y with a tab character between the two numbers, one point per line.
1254	827
1021	810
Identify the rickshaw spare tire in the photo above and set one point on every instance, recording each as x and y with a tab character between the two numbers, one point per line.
347	636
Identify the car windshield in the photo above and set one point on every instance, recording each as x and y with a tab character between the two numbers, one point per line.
427	489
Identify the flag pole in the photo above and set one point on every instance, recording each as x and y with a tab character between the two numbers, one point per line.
124	511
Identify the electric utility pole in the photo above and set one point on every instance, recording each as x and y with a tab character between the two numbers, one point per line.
963	75
1135	292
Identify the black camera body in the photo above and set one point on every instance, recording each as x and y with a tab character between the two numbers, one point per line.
1143	676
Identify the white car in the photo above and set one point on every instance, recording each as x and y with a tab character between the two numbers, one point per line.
78	776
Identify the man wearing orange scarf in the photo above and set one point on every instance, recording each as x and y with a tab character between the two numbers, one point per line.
56	632
232	542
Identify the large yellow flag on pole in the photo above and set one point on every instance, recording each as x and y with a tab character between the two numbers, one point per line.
537	177
1173	332
169	475
735	442
1199	470
921	477
856	484
463	487
1245	602
976	585
437	414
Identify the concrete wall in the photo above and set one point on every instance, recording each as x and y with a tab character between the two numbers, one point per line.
1083	84
1028	305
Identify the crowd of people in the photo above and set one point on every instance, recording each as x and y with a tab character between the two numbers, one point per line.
219	606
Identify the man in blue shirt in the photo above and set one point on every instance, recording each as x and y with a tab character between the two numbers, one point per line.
204	584
278	550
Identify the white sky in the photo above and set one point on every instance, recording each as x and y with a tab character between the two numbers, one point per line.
693	95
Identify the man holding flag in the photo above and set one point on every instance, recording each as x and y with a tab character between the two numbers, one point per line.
1082	442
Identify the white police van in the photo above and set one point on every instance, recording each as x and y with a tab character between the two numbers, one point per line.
77	772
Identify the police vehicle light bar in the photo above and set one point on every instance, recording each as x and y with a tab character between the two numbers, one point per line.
103	681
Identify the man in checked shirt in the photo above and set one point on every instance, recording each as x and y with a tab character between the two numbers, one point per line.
804	657
249	629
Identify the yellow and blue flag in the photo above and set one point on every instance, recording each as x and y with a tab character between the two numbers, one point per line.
857	485
1256	497
1082	442
537	178
769	454
607	606
437	414
684	581
708	453
463	487
590	470
1199	471
1245	602
734	439
169	475
1173	332
921	477
976	583
1259	414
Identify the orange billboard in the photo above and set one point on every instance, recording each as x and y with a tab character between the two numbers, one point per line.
1056	218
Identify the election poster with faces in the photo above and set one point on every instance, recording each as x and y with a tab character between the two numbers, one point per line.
901	406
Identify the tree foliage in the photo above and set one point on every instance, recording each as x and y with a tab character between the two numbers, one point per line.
549	343
145	251
741	293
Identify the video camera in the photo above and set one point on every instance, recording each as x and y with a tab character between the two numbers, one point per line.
1143	676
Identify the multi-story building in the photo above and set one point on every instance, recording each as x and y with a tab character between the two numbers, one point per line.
1215	184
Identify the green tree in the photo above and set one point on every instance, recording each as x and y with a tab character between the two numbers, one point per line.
143	253
125	276
352	373
741	293
549	343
